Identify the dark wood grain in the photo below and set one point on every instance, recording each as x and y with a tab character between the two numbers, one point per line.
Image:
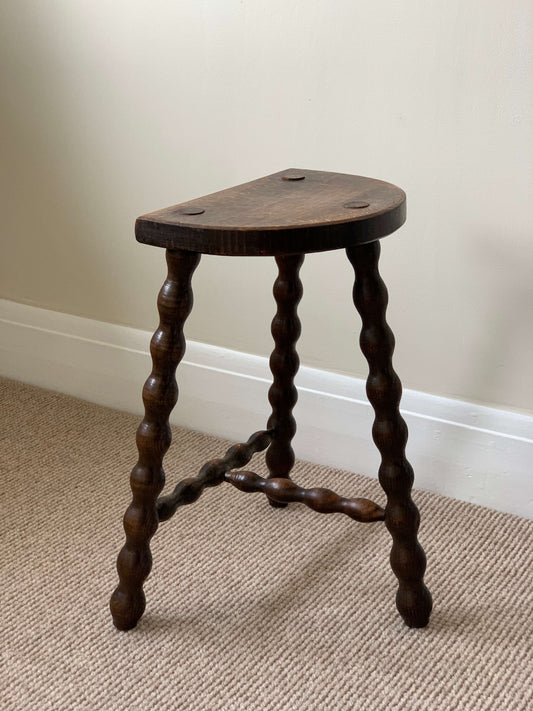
284	363
212	474
147	479
284	491
273	216
389	431
287	215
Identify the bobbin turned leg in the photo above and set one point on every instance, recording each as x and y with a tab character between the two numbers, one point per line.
396	476
284	364
160	394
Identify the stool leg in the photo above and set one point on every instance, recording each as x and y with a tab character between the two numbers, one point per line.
389	432
284	364
160	394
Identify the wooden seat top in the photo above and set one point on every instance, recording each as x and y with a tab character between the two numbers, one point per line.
293	211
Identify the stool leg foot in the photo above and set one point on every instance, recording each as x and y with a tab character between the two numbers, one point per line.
160	394
389	432
284	363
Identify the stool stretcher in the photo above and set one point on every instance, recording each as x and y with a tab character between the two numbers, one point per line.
322	500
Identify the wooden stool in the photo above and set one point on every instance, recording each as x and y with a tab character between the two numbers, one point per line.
284	215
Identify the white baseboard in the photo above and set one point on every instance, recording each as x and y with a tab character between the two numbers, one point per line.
465	451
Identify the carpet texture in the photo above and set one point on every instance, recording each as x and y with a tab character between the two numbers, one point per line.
248	607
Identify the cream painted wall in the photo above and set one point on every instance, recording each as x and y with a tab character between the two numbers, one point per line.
112	109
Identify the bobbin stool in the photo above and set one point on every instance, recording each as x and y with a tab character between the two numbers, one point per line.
284	215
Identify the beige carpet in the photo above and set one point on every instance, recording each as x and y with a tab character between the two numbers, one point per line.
248	607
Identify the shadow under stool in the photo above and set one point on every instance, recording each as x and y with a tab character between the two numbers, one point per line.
284	215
